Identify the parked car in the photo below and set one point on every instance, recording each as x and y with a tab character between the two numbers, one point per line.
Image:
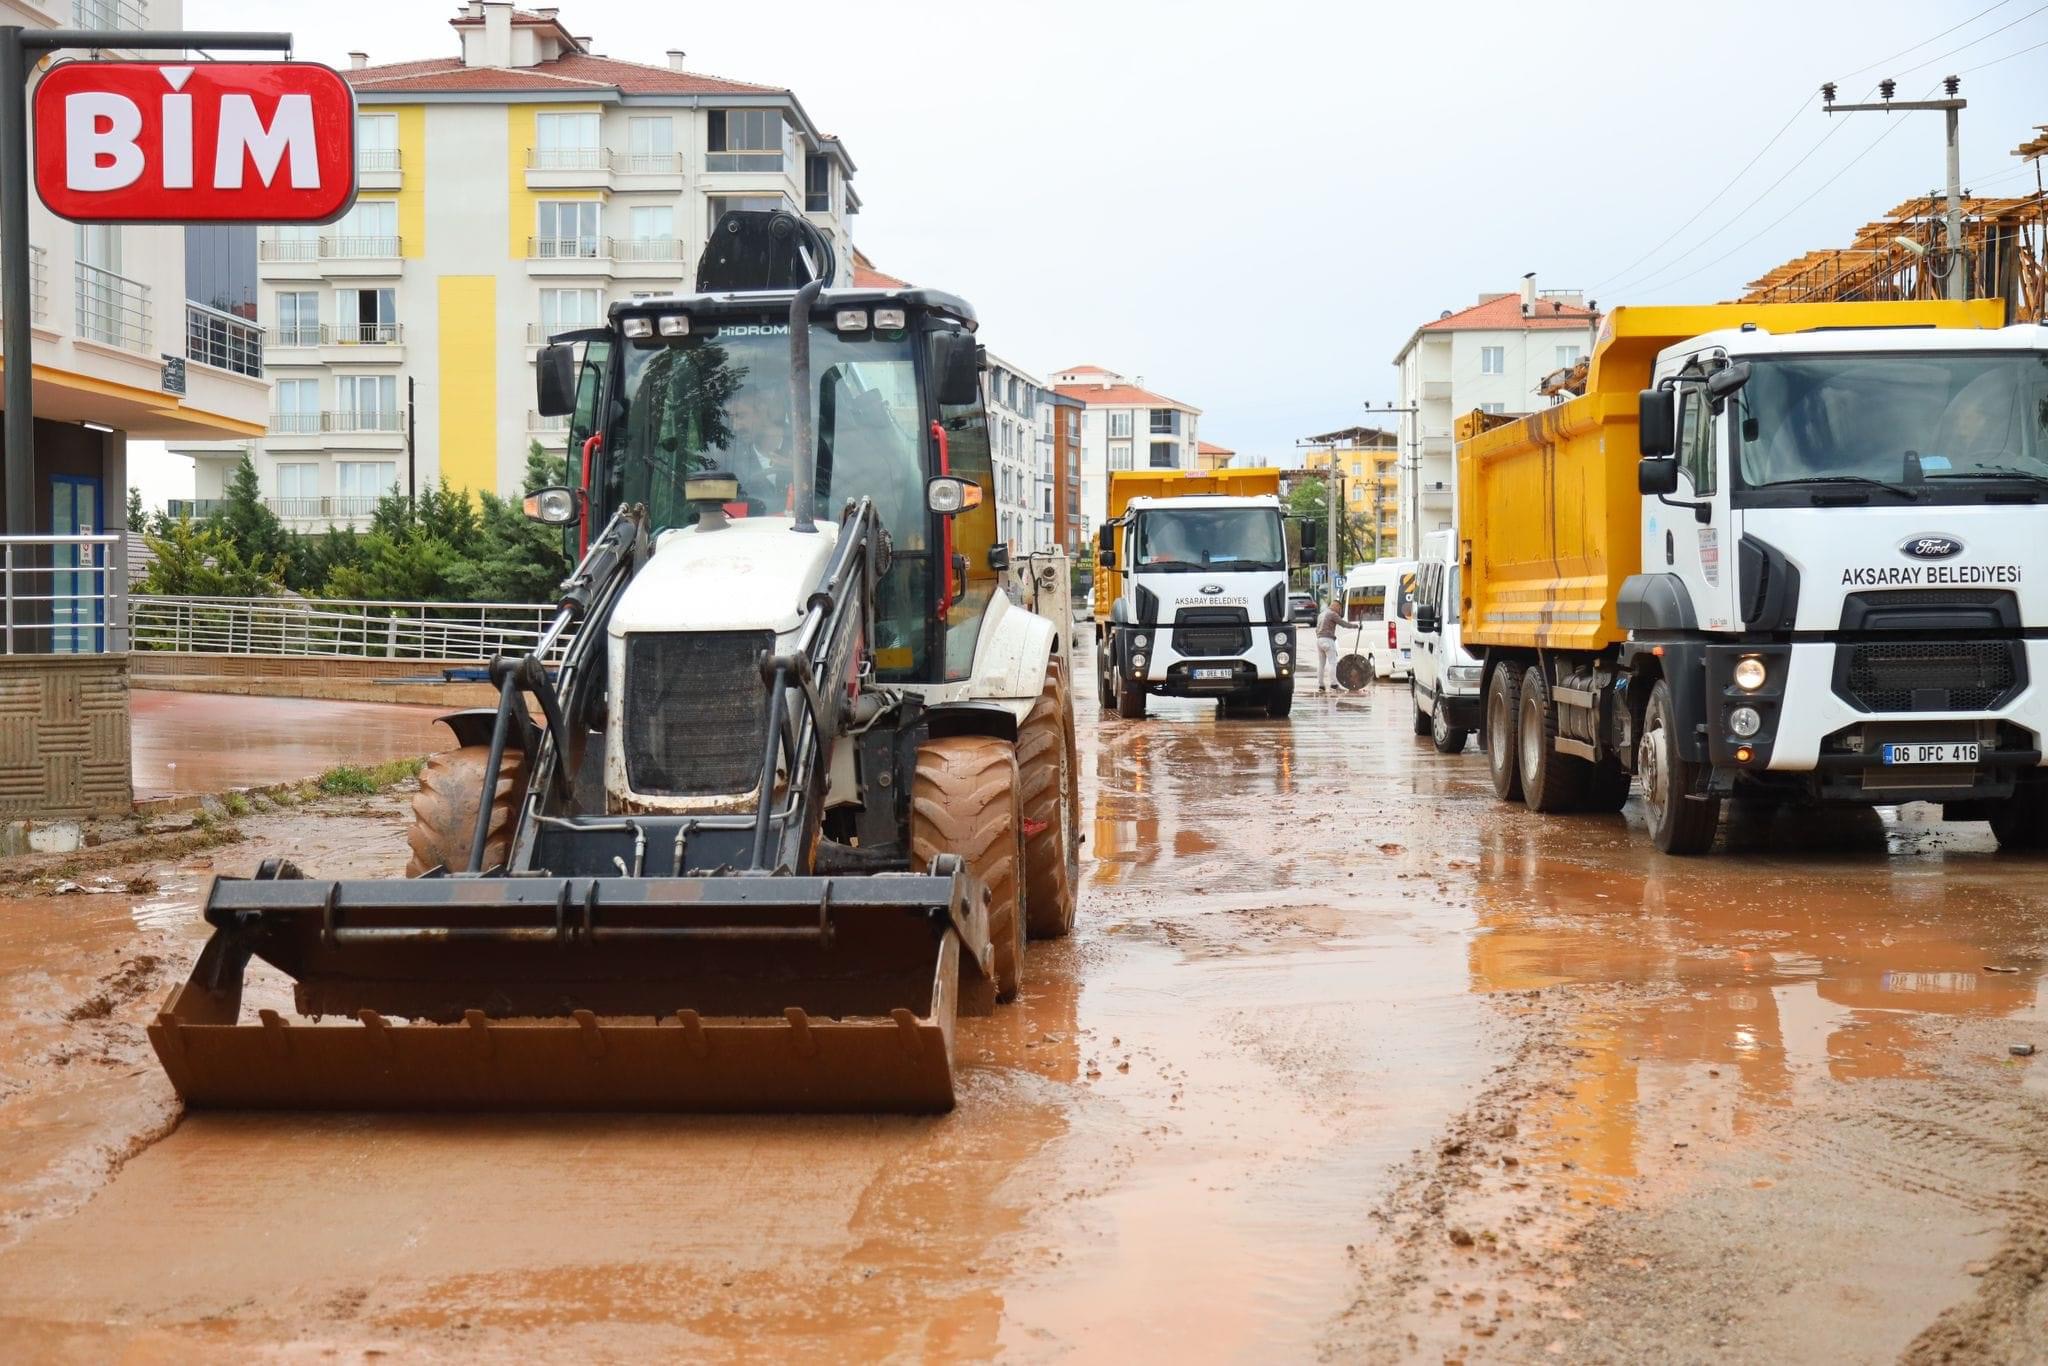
1444	682
1301	609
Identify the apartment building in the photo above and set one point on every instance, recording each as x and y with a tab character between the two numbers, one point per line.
1068	525
1208	457
1125	426
1366	460
507	192
1490	356
1020	446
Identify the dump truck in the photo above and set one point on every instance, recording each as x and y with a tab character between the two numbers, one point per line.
783	787
1774	553
1191	591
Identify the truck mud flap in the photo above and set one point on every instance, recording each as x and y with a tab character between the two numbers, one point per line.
735	994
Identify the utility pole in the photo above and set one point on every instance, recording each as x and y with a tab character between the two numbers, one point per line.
1957	279
412	480
1411	466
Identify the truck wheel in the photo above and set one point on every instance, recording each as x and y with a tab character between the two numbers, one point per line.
965	800
1105	678
1049	851
1420	717
1679	824
1130	698
1607	787
444	809
1447	738
1503	705
1551	782
2020	822
1279	699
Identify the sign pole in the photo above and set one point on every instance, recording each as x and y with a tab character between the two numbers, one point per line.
16	43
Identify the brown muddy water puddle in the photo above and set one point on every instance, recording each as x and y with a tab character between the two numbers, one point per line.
189	743
1295	943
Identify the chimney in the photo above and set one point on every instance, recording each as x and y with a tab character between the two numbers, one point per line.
1529	295
675	59
497	33
358	60
476	9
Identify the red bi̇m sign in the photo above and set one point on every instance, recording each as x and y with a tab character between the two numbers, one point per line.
206	142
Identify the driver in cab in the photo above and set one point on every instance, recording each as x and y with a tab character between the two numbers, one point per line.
760	450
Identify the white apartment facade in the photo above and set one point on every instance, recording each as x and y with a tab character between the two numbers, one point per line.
1020	436
1125	426
505	194
1491	357
137	331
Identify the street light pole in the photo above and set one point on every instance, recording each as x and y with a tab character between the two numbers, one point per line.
17	46
1957	281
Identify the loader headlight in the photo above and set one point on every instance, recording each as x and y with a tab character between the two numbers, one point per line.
553	506
675	325
890	320
1745	721
852	320
1750	673
637	327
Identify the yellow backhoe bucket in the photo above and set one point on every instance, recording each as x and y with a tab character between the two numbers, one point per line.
692	994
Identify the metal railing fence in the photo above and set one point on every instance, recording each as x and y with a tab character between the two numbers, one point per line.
339	628
62	595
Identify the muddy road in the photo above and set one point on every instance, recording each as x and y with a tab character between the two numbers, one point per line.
1344	1061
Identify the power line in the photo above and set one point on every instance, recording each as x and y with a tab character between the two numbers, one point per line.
1972	43
1925	41
2006	58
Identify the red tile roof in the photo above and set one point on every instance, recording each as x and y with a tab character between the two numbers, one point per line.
1204	448
865	276
571	71
1117	396
1504	314
1083	370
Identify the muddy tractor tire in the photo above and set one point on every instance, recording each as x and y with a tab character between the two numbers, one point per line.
1044	773
966	799
1503	706
1354	673
444	809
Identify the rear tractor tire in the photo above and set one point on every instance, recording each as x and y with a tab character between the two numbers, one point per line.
1044	773
444	809
966	799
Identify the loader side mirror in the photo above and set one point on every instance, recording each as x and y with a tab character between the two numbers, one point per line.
949	495
554	506
956	363
1657	477
554	380
1656	423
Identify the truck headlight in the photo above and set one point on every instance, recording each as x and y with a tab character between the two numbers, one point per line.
1140	641
1283	659
1283	639
1745	721
1750	673
1137	664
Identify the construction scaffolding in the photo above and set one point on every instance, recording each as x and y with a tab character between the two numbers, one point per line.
1905	256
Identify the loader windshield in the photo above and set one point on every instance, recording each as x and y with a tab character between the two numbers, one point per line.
1971	418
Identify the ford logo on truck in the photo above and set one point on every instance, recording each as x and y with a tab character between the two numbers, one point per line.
1931	547
1212	588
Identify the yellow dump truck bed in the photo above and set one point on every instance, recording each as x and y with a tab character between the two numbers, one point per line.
1124	485
1549	519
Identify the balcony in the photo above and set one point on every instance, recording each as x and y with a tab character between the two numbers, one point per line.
361	334
295	424
38	286
288	249
361	248
130	15
378	168
540	334
319	509
112	309
648	163
375	420
536	423
223	340
285	338
568	159
580	256
647	249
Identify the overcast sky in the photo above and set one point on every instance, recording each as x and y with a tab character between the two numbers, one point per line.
1252	206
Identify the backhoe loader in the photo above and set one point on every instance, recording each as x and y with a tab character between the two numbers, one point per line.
782	788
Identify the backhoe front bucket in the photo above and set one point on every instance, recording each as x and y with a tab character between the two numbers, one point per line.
729	993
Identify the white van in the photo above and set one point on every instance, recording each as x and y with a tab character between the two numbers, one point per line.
1376	637
1444	682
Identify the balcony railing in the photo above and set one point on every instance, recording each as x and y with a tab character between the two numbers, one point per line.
38	285
304	334
132	15
377	159
288	249
539	334
568	248
223	340
112	308
567	158
361	334
648	163
295	424
349	420
648	249
536	423
360	248
316	508
61	595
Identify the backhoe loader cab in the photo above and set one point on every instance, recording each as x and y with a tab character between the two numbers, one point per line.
783	787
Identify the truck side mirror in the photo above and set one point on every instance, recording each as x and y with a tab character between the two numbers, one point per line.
1427	621
1657	422
1105	546
1657	476
554	380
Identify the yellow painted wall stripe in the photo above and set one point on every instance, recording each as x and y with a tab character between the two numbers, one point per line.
522	212
469	381
412	182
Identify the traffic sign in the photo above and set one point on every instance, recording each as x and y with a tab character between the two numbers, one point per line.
204	142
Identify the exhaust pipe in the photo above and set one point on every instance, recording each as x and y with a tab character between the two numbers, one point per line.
803	488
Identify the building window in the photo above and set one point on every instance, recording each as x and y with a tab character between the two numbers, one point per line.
1493	407
565	142
562	310
1163	455
1493	360
1165	421
368	229
722	204
1567	356
651	145
376	142
362	482
568	227
298	406
1119	455
747	140
220	267
818	185
365	317
298	481
1120	424
652	222
298	318
1073	426
366	403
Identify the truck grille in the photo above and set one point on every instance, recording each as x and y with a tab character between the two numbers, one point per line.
694	711
1929	675
1212	631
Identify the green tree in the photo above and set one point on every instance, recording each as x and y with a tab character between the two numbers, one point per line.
138	520
413	568
196	559
511	559
251	528
543	470
315	556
